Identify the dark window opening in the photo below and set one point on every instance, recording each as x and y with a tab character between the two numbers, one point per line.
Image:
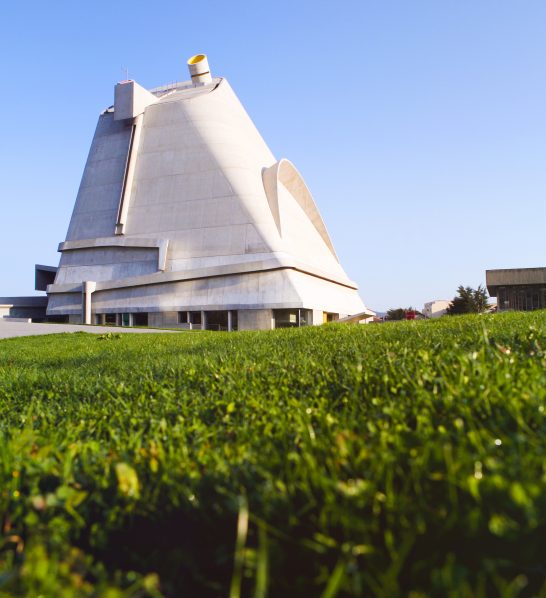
140	319
524	298
221	320
57	319
292	318
189	317
216	320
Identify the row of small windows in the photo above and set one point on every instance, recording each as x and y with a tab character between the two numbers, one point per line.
214	320
525	297
124	319
189	317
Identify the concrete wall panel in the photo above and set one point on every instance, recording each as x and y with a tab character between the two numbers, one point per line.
198	185
97	203
255	319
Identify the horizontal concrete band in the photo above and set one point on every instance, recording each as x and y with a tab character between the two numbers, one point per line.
177	308
515	276
32	301
121	242
200	273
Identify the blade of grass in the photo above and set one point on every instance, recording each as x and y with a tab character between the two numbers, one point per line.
262	572
239	558
336	579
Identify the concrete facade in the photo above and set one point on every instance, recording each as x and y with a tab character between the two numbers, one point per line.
435	309
23	308
517	288
183	209
256	319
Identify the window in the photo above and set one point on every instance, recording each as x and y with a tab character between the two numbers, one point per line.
292	318
216	320
111	319
140	319
189	317
221	320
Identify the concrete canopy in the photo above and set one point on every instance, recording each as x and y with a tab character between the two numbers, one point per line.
182	206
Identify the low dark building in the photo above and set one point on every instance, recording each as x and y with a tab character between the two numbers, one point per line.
518	288
24	307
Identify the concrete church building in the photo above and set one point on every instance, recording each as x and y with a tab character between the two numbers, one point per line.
184	218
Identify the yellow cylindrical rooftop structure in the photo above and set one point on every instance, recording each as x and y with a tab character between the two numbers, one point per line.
199	69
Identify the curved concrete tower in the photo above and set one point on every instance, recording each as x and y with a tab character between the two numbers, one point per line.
185	218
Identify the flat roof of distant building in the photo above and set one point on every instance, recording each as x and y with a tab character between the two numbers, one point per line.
514	276
34	301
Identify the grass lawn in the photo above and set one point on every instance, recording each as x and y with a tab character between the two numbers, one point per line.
400	459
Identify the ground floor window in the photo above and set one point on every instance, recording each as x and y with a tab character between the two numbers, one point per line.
189	317
221	320
292	318
111	319
58	319
524	298
329	317
126	319
140	319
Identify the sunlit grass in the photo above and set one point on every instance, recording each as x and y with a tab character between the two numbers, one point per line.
371	460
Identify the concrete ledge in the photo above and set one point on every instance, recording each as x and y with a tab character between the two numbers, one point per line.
515	276
176	308
122	242
354	319
278	263
14	319
32	301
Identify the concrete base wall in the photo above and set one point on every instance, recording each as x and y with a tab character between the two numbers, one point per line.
24	307
163	319
20	320
255	319
318	317
272	289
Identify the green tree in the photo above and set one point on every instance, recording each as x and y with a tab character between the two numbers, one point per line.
469	301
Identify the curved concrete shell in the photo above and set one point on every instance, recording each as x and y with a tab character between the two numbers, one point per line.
182	210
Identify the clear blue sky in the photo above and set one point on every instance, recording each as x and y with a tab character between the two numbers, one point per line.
419	126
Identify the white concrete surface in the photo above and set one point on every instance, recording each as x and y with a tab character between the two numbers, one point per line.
235	228
130	100
436	308
13	329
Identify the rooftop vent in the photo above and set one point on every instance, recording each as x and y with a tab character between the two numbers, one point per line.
199	69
